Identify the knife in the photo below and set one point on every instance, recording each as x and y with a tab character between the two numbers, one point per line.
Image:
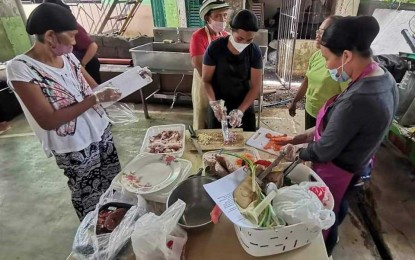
225	130
194	139
270	167
291	167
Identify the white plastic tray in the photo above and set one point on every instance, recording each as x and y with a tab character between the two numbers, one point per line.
161	195
155	130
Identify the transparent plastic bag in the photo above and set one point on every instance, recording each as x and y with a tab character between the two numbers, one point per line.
159	237
297	203
121	113
88	245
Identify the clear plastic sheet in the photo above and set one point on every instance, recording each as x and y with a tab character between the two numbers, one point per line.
121	113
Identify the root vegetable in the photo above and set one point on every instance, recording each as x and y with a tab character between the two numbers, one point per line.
243	194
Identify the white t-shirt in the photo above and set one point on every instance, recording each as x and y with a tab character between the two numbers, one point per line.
62	87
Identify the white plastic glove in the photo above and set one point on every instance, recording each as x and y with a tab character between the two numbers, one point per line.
145	71
107	94
236	118
217	107
290	152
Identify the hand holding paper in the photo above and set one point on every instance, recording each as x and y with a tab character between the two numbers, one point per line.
126	83
107	94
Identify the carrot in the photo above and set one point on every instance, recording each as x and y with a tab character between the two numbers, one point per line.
275	141
269	145
280	140
277	147
246	155
239	162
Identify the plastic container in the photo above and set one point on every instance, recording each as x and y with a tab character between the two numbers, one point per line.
265	242
161	195
155	130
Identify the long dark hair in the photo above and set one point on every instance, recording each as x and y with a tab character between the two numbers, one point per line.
351	33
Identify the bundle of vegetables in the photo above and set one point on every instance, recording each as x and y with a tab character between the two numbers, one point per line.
250	199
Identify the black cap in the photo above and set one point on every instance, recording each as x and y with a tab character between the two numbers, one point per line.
351	33
245	20
48	16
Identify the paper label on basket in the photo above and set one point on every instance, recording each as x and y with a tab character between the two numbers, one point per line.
128	82
221	191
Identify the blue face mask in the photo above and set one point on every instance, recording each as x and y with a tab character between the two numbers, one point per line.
343	77
334	73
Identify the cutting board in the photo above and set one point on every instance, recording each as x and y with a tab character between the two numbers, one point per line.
217	142
258	140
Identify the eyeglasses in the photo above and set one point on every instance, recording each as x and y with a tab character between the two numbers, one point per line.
320	32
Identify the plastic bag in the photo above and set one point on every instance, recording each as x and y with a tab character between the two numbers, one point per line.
121	113
159	237
88	245
319	189
298	203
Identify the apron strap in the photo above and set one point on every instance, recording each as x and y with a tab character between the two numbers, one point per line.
208	34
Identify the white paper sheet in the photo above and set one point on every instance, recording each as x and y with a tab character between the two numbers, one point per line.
128	82
221	191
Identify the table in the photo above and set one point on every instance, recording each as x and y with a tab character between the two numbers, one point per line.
219	241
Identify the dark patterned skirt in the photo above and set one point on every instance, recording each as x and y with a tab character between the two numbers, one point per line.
90	172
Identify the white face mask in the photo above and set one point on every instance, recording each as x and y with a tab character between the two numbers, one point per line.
238	46
216	26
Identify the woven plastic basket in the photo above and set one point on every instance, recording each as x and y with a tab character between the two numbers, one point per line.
265	242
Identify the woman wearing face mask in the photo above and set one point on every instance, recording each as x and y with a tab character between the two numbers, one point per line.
232	71
215	14
85	49
350	126
318	86
56	95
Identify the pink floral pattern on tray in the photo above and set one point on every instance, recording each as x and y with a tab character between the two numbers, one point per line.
135	181
168	159
145	180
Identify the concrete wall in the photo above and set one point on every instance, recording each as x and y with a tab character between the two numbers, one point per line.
90	15
271	7
303	51
116	46
172	14
13	37
346	7
236	5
